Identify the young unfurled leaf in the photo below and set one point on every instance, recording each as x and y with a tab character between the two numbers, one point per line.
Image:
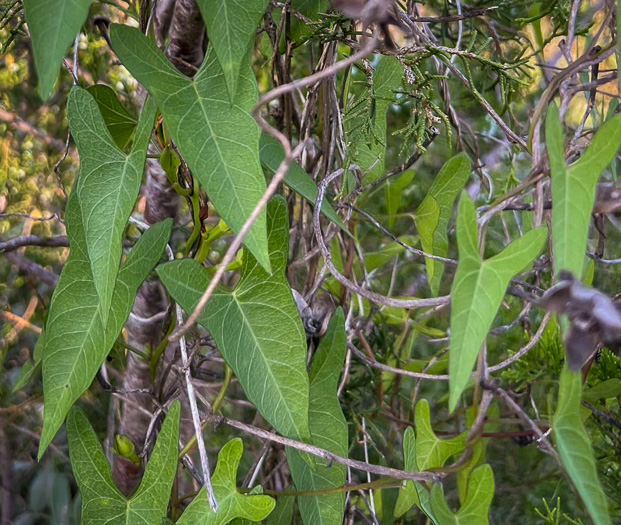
296	178
573	189
120	123
231	27
102	502
77	340
575	448
421	453
434	213
53	26
107	186
256	327
477	292
328	429
475	509
231	504
218	140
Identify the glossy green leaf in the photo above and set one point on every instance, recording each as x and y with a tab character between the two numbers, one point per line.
77	337
107	186
393	190
575	448
296	178
370	152
434	214
102	502
120	123
218	140
477	292
475	509
231	504
432	452
573	189
53	26
328	428
257	327
231	27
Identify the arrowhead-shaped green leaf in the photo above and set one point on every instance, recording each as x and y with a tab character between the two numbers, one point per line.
107	186
297	179
53	26
434	214
218	140
475	508
119	122
231	27
231	504
257	327
370	151
328	428
477	292
77	340
573	189
102	502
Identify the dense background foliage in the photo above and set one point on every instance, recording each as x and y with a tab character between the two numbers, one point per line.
493	98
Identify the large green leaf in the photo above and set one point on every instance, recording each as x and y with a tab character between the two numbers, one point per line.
475	508
575	448
219	140
370	151
102	502
53	26
119	122
107	186
477	292
573	195
231	504
257	327
296	178
573	189
434	214
77	339
328	428
231	27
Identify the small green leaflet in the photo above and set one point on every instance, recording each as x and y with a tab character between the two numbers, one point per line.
424	452
328	428
296	178
257	327
218	140
574	446
119	122
231	504
231	27
370	151
77	340
53	26
477	292
434	213
107	186
475	509
102	502
573	189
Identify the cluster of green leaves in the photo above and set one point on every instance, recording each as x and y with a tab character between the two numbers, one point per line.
256	326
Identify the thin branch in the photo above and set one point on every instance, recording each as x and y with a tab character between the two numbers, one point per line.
33	240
